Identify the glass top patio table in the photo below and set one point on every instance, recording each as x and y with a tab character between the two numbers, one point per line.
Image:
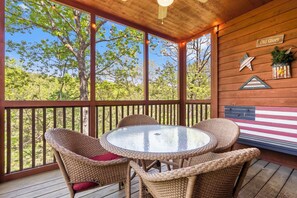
158	142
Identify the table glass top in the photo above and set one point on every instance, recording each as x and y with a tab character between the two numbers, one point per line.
158	138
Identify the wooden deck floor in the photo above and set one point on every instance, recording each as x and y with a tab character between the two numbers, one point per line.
264	179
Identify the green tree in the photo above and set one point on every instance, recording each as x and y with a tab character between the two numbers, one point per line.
163	83
163	76
66	50
198	68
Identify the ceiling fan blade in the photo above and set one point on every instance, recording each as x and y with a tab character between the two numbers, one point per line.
162	12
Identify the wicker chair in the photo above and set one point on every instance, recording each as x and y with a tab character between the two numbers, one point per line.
226	132
139	119
221	176
77	156
133	120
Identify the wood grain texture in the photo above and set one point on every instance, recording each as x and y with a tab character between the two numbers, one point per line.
185	18
260	180
287	160
214	74
238	37
182	83
276	183
92	108
289	190
252	172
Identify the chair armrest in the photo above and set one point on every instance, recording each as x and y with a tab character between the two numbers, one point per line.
227	159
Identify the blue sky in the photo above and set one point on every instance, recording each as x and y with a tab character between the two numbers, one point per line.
36	35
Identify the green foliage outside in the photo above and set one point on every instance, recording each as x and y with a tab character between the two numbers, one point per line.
198	68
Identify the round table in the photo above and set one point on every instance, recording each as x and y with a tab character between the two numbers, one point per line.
158	142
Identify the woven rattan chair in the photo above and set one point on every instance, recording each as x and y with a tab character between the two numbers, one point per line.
226	132
139	119
133	120
221	176
77	156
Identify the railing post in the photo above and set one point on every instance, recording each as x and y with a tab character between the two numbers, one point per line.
92	106
146	72
2	88
182	82
214	73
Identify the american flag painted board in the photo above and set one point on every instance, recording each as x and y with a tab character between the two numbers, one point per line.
273	128
254	83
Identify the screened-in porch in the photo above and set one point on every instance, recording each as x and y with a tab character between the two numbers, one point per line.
86	65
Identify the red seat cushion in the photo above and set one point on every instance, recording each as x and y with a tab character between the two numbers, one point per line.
86	185
105	157
83	186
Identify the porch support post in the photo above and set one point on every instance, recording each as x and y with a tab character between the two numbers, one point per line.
92	110
146	72
214	73
182	82
2	88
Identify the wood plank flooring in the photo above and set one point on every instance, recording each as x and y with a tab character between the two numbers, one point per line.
263	180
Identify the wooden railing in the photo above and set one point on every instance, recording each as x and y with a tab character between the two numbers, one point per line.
25	125
108	116
25	128
197	111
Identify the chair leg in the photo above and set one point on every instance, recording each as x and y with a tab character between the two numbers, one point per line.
128	183
121	185
181	163
141	193
72	194
168	167
158	164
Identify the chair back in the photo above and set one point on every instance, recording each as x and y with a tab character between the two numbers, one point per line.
226	132
133	120
67	141
221	177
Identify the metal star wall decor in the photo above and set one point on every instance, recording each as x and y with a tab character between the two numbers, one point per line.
246	62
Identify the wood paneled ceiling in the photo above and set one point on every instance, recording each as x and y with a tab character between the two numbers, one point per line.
185	18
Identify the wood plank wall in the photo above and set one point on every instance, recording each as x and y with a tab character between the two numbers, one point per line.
239	36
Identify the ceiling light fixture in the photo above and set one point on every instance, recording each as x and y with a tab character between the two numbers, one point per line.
165	3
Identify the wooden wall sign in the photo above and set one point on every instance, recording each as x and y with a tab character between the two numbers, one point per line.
272	40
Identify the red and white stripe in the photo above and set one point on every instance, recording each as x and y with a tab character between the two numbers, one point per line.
272	122
254	83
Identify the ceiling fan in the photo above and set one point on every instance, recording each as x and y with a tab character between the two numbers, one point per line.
163	4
